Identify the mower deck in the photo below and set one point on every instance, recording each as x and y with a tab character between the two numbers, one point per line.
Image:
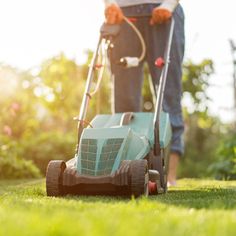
71	177
118	182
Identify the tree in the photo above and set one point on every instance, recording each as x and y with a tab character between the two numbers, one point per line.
195	83
202	131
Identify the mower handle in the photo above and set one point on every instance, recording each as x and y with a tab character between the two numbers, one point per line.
108	31
161	87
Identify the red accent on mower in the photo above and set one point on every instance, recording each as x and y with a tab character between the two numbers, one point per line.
160	62
132	19
98	66
152	187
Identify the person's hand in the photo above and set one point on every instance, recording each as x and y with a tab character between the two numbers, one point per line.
113	14
160	15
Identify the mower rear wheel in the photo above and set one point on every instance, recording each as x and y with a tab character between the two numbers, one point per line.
54	176
139	177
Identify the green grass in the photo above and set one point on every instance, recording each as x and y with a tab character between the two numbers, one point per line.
196	207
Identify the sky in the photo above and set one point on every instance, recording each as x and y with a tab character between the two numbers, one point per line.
34	30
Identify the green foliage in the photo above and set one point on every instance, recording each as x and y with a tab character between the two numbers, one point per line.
225	166
13	166
195	83
202	131
18	107
59	90
62	84
17	122
202	135
48	146
38	107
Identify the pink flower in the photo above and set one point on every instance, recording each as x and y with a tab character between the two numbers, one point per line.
7	130
15	106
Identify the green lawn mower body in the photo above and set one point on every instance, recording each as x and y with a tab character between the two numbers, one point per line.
106	151
114	139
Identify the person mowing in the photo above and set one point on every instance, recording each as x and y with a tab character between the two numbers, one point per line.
151	18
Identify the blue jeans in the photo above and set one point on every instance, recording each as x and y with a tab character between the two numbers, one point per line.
128	81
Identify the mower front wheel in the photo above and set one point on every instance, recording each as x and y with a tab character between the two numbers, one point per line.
139	177
54	176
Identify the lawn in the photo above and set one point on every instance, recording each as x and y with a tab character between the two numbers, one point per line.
196	207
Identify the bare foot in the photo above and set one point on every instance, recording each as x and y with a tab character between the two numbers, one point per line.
171	184
172	171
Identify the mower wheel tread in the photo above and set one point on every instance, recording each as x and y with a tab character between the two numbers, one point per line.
139	173
54	173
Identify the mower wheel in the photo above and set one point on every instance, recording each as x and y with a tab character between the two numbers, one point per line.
139	177
54	176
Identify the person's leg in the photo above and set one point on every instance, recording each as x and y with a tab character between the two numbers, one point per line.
173	89
172	100
127	81
172	169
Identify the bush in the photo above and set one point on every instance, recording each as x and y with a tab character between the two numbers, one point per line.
11	165
225	167
202	136
29	156
14	168
48	146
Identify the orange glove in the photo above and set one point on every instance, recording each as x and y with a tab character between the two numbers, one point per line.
113	14
160	15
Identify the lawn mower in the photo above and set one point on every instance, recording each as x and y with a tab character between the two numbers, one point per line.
119	153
